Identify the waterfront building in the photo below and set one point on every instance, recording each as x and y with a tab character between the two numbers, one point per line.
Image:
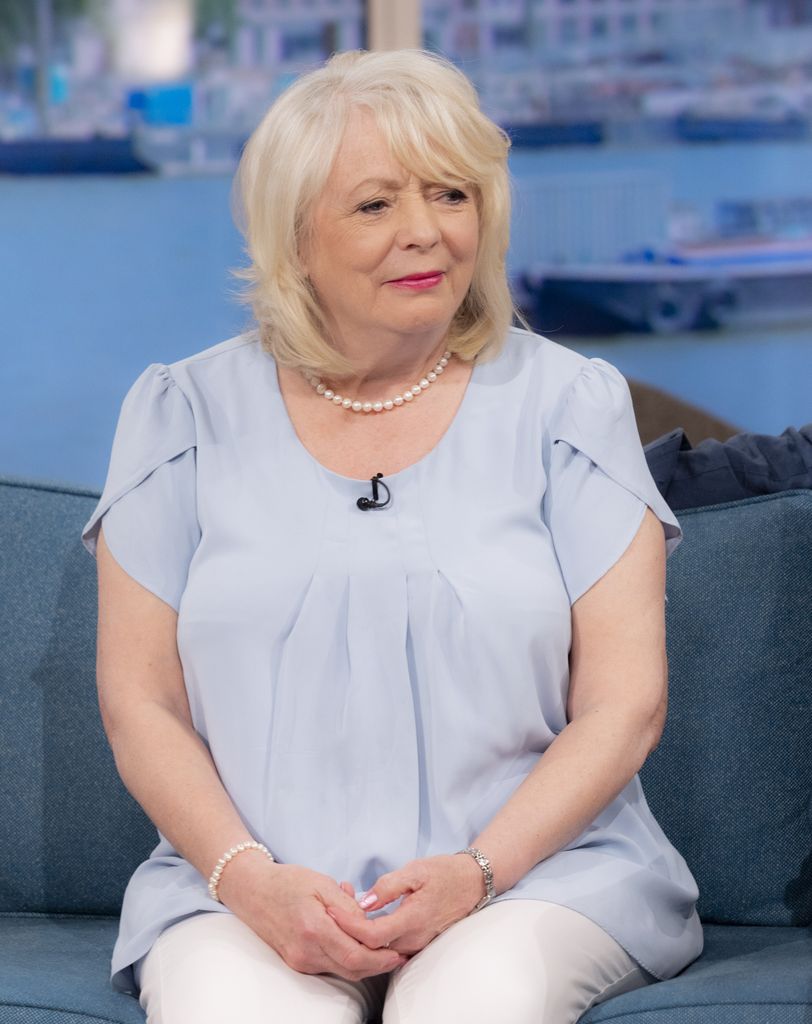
629	66
544	58
284	35
556	30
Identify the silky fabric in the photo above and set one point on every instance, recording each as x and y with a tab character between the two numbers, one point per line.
374	685
523	961
741	467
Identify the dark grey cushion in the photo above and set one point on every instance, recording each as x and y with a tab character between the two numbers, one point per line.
731	782
70	833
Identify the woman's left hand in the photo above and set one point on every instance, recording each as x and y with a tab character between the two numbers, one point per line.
437	892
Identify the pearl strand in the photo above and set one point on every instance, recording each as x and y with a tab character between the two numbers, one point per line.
219	867
386	406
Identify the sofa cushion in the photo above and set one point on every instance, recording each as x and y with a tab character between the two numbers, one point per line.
746	975
70	833
731	781
56	970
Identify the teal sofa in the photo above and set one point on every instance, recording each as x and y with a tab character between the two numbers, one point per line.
730	782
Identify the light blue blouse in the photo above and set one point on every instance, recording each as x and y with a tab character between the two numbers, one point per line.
374	685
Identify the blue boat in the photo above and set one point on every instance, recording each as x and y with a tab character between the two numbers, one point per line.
697	127
94	155
718	282
535	135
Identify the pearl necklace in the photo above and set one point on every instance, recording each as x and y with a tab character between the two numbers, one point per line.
391	403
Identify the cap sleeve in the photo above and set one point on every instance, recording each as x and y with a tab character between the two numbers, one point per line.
599	483
148	504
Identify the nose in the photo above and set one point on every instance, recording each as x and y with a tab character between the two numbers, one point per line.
418	226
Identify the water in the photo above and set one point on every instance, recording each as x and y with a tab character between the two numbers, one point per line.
101	276
754	381
697	174
98	278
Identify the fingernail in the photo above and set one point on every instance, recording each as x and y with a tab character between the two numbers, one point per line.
368	900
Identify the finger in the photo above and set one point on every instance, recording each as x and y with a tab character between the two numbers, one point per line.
361	962
339	896
372	933
400	929
349	956
407	929
390	887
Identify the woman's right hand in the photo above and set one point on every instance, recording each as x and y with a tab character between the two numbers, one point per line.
286	905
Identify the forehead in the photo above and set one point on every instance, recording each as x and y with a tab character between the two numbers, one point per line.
366	157
363	153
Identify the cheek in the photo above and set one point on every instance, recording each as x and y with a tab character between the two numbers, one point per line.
366	250
344	252
467	239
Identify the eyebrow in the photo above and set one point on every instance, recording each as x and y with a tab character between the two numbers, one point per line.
390	183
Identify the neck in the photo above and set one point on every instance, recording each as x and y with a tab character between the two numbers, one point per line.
383	365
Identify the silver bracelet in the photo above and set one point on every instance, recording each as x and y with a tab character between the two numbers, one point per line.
219	867
487	871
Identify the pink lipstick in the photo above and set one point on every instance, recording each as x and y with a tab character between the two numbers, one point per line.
419	282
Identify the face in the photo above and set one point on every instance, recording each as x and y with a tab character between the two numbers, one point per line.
390	254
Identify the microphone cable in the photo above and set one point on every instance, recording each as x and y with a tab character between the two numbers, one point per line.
368	504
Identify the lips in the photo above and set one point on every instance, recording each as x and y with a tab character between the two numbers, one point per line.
425	276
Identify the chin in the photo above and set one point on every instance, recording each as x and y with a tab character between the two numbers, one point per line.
425	327
426	321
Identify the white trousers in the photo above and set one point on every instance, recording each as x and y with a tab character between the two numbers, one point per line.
514	962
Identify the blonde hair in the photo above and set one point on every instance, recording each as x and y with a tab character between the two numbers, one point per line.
429	112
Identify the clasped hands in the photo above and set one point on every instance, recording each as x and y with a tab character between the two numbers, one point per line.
317	927
436	892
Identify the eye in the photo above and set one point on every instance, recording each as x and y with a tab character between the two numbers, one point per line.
376	206
455	196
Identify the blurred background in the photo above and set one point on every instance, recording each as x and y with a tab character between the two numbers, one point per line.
662	167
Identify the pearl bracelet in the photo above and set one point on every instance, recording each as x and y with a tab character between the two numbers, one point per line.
214	881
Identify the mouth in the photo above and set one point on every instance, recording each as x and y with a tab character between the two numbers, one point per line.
428	279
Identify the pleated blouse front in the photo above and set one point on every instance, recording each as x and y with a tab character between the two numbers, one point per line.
373	686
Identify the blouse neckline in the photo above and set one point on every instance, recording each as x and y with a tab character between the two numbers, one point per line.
444	440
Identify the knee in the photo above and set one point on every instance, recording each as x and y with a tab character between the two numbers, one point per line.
479	985
475	1001
525	962
213	968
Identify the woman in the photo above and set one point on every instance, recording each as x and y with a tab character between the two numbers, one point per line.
359	569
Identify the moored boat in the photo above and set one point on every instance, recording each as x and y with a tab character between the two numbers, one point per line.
96	154
706	285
